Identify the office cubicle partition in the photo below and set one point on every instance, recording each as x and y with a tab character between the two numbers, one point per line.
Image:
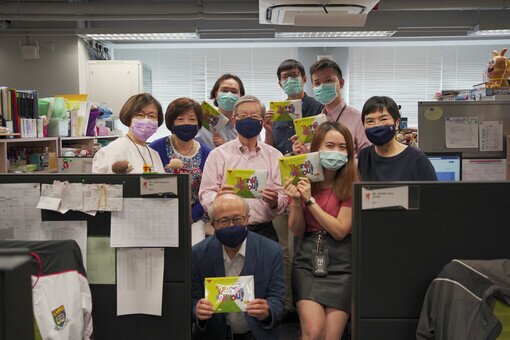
175	322
397	252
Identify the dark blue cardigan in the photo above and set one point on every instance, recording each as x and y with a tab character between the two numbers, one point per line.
159	145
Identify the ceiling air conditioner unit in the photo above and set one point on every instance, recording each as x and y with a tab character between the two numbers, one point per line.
315	12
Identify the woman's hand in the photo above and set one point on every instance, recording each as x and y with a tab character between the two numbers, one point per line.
290	189
298	148
304	187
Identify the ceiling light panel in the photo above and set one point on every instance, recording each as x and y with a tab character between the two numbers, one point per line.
332	35
144	36
494	33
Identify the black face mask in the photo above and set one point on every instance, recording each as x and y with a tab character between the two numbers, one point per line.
249	127
185	132
380	135
233	236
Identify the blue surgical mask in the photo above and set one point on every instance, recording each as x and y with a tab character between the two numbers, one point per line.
233	236
227	100
333	160
380	135
325	93
185	132
249	127
293	86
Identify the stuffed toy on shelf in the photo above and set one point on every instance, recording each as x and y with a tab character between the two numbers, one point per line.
498	70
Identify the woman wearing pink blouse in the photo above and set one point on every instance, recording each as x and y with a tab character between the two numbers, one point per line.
320	214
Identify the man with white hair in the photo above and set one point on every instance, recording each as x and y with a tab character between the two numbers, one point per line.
247	152
235	251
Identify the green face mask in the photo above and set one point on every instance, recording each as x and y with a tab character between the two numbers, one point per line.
293	86
325	93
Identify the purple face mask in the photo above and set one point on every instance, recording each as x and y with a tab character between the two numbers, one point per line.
143	128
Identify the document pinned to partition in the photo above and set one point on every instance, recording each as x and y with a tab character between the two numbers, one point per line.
461	132
146	222
66	230
385	198
19	217
140	280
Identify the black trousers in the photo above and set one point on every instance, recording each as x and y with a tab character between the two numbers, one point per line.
233	336
265	229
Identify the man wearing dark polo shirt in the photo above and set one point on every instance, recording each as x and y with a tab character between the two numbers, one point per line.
291	77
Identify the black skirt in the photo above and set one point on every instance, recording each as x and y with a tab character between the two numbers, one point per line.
333	290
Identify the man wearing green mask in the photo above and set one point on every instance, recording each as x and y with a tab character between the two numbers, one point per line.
291	78
327	83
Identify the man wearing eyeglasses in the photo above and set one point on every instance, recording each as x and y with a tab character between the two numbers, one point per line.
235	251
247	152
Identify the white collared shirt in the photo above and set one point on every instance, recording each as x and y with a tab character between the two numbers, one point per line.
234	267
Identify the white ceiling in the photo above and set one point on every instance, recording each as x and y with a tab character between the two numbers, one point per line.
239	19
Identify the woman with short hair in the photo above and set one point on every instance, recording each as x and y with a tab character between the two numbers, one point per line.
143	114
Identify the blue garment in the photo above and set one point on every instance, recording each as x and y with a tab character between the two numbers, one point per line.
282	131
163	148
263	260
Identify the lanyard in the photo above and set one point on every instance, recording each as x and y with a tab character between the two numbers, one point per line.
146	166
337	118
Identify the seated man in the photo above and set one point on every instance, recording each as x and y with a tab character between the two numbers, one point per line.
246	152
235	251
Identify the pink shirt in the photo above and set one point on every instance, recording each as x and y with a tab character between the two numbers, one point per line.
351	118
329	202
233	155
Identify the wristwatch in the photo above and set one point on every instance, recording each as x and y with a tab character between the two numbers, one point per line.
310	202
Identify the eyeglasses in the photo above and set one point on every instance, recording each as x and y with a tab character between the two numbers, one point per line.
292	75
142	115
242	115
384	120
225	222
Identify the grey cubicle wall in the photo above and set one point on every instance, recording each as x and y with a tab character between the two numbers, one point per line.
431	127
397	253
175	322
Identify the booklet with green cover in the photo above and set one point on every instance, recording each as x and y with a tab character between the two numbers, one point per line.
286	110
247	183
229	294
305	165
306	127
213	119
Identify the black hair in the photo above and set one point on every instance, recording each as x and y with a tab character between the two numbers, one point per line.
289	64
323	64
222	78
378	104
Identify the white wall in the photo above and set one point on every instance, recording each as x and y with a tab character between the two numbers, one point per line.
56	72
83	57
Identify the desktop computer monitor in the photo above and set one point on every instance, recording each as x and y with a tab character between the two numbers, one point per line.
448	165
16	313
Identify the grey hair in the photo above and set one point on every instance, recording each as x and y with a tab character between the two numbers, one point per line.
210	211
249	99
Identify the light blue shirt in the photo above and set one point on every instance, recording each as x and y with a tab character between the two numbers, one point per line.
228	133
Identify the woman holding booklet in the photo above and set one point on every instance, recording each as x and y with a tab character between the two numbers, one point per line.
181	153
320	214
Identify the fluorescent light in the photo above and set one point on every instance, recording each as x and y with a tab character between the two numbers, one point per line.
491	32
143	36
326	35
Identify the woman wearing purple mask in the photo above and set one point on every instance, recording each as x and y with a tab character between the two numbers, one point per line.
183	118
143	115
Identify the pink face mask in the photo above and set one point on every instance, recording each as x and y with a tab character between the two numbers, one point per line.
143	128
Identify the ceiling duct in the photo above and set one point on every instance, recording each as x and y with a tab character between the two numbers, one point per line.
344	13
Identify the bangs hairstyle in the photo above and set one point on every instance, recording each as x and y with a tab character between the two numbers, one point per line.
226	76
289	64
322	64
136	104
346	175
179	107
378	104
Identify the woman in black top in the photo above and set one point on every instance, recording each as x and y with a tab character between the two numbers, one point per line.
387	159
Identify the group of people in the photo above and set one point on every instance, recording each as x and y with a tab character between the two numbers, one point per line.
352	146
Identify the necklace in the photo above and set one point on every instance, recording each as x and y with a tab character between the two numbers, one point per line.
190	151
146	166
